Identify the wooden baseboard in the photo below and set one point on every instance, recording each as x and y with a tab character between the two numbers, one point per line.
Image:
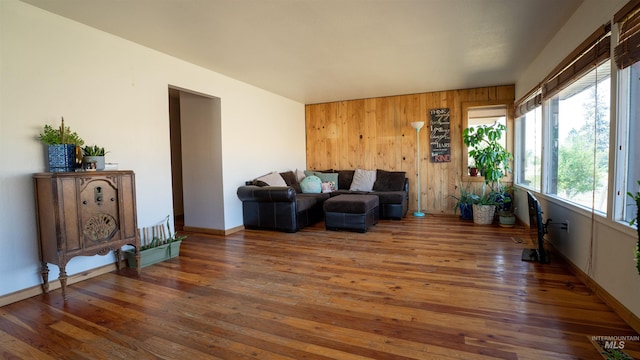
622	311
55	284
214	231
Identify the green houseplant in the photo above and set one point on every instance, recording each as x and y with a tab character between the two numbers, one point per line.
62	147
493	161
636	198
157	245
93	157
465	202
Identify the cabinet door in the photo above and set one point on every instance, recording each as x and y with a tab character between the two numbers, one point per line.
99	211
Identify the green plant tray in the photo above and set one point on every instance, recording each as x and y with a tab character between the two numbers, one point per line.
153	255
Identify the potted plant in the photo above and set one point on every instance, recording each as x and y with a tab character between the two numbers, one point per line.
473	170
493	161
506	212
636	198
93	157
465	202
157	245
484	207
62	147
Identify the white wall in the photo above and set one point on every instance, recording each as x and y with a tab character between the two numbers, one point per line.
201	161
610	262
115	93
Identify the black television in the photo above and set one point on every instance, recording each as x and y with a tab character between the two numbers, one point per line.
538	231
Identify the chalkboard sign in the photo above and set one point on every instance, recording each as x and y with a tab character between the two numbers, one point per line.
440	136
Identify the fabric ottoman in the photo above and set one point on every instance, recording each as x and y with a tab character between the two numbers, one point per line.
351	212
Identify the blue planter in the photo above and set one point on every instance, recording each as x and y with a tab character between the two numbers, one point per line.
466	211
62	158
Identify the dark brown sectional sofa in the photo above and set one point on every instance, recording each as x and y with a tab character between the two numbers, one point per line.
288	209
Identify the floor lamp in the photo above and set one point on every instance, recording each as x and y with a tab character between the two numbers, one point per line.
418	125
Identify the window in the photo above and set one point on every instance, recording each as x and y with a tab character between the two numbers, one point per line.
579	140
627	53
630	101
476	113
528	153
487	116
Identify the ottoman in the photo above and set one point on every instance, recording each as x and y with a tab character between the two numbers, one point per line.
351	212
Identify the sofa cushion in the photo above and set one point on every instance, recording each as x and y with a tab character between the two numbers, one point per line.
305	203
300	175
311	184
389	180
292	180
325	177
363	180
345	177
351	204
391	197
272	179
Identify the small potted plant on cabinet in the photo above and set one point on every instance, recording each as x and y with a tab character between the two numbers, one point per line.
93	157
62	147
157	245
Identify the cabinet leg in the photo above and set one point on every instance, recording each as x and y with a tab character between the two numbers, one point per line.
138	267
44	272
63	282
116	252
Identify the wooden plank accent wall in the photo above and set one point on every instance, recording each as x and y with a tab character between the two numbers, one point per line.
376	133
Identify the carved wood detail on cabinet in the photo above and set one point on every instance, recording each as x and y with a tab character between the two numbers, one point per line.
84	214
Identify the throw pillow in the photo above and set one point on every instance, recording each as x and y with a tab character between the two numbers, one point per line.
311	185
328	187
389	180
345	177
272	179
291	180
289	177
363	180
300	175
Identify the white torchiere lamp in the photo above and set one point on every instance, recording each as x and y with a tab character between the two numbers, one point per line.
418	125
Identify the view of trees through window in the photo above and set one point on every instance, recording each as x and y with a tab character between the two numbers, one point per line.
529	152
579	169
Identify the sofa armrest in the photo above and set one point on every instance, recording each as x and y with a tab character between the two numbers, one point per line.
266	193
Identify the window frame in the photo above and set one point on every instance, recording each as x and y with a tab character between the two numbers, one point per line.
509	109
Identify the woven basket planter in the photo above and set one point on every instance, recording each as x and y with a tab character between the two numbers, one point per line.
483	214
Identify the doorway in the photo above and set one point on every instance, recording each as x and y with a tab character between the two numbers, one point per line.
196	160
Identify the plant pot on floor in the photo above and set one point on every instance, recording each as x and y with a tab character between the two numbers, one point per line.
466	211
483	214
153	255
507	219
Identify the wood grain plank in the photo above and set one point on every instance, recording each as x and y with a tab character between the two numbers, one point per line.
432	288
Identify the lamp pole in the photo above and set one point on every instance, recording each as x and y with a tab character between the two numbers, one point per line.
418	125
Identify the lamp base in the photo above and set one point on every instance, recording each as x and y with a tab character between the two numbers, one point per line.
418	214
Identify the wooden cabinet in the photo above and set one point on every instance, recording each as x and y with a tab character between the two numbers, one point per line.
84	213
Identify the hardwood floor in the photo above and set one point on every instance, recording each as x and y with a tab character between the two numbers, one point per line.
432	288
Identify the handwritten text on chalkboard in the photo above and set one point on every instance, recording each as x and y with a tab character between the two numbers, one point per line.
440	136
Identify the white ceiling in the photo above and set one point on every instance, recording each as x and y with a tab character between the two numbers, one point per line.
316	51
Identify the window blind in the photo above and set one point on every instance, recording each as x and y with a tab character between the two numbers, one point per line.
591	53
627	52
528	102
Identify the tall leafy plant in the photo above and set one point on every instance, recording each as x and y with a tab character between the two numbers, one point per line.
489	156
